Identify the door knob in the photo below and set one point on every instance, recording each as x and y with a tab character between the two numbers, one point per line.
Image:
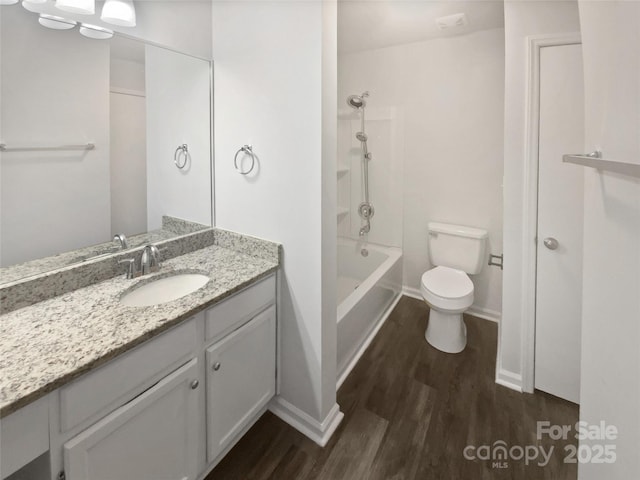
551	243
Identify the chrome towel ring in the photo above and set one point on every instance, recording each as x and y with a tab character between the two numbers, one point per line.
248	150
181	152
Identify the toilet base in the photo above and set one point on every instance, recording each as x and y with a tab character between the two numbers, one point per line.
446	331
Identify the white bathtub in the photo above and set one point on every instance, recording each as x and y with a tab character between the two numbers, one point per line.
367	289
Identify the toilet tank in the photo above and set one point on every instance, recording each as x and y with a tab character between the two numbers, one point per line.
457	246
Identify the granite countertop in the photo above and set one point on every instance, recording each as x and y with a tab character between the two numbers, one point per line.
45	345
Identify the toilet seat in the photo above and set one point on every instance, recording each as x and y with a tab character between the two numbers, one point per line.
447	289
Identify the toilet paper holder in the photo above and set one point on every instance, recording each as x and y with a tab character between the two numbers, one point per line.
496	260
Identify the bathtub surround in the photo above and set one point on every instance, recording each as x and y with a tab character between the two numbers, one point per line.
22	293
289	119
385	144
446	96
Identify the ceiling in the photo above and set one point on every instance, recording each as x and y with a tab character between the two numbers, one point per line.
370	24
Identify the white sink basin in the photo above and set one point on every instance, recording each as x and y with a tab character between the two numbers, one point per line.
164	290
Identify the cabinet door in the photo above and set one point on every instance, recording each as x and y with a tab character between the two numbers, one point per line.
241	374
153	437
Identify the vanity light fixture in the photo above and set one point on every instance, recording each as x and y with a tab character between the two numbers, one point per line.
56	23
83	7
119	12
32	5
93	31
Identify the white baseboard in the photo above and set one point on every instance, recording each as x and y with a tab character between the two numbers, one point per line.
352	363
319	432
411	292
509	379
484	313
476	311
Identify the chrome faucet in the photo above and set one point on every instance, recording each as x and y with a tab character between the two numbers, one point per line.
150	260
122	239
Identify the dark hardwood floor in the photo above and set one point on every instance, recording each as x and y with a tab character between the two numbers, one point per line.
410	411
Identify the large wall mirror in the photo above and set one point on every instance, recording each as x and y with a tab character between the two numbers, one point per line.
100	137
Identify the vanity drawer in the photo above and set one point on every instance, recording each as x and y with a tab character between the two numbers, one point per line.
101	391
243	306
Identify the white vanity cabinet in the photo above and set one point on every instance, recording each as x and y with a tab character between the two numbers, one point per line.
154	436
241	373
168	409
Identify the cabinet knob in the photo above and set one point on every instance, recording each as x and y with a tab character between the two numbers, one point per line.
551	243
216	366
194	384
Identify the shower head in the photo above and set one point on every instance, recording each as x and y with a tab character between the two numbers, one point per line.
357	101
362	136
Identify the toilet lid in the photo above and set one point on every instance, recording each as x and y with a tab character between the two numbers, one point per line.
447	282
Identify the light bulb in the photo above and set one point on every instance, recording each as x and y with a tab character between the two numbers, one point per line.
119	12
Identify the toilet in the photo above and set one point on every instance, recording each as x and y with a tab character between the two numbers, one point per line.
455	251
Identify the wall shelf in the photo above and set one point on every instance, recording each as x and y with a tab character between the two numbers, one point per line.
595	160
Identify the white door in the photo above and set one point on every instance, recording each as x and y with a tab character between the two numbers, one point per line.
560	223
241	379
153	437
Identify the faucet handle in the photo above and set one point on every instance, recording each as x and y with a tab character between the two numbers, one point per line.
131	267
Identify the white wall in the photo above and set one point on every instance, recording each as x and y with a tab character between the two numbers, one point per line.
178	112
128	164
610	380
181	24
127	74
522	19
447	95
50	98
273	65
328	254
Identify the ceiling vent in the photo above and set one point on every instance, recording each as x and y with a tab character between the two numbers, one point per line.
452	21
